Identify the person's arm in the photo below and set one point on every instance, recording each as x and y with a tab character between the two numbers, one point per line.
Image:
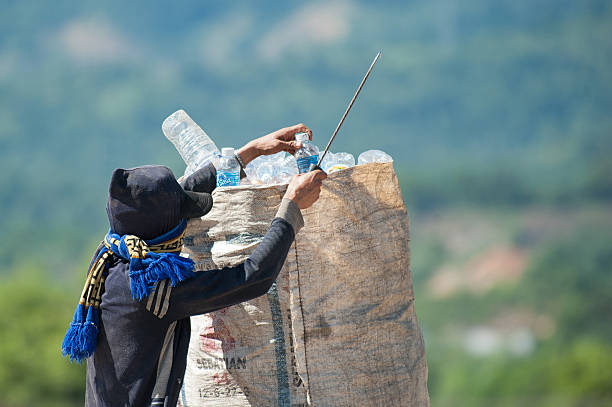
212	290
280	140
203	180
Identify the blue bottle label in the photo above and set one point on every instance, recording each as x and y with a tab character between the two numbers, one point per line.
304	163
228	179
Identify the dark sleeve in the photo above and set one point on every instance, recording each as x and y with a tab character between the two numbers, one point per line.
211	290
203	180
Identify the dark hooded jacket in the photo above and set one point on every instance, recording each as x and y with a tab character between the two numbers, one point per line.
142	346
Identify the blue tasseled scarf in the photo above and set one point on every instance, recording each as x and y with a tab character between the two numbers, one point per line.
150	261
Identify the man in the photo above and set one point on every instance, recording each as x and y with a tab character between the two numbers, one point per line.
132	322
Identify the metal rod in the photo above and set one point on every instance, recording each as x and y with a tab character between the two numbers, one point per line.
348	108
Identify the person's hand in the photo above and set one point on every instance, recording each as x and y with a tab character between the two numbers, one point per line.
304	189
280	140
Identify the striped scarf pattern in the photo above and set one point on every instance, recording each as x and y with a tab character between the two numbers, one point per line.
150	261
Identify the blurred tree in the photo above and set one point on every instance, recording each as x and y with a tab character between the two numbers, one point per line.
572	280
34	318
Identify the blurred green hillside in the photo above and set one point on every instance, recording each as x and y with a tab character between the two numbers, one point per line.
487	102
497	114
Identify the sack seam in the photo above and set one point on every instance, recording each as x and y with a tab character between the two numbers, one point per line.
299	284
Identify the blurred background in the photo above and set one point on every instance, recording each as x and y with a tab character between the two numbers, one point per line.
497	114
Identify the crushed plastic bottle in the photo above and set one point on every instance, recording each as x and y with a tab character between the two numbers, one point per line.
228	171
251	169
287	168
328	161
192	143
373	156
308	154
267	173
251	173
345	158
341	161
280	167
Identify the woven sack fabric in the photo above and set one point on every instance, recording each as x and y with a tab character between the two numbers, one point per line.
338	327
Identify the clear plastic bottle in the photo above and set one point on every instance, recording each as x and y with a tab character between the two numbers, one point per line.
192	143
328	161
373	156
308	154
228	171
341	161
267	173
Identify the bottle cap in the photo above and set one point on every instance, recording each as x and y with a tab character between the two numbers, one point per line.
301	136
227	151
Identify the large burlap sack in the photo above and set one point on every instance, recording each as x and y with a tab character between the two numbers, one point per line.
338	328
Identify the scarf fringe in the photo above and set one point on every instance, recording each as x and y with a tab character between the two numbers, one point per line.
82	336
144	274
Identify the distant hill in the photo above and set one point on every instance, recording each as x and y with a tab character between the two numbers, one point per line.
467	97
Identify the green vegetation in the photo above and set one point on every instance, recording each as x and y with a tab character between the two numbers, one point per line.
497	115
569	280
573	375
34	318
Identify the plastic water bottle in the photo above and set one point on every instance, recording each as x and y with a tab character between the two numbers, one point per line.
373	156
228	172
328	161
308	154
267	172
287	169
192	143
341	161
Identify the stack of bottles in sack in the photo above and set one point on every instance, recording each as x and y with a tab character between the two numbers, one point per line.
197	149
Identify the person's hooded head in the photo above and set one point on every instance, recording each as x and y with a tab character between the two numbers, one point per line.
147	202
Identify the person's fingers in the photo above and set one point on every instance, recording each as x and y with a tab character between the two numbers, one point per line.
311	177
316	179
319	175
293	145
307	130
288	146
299	128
